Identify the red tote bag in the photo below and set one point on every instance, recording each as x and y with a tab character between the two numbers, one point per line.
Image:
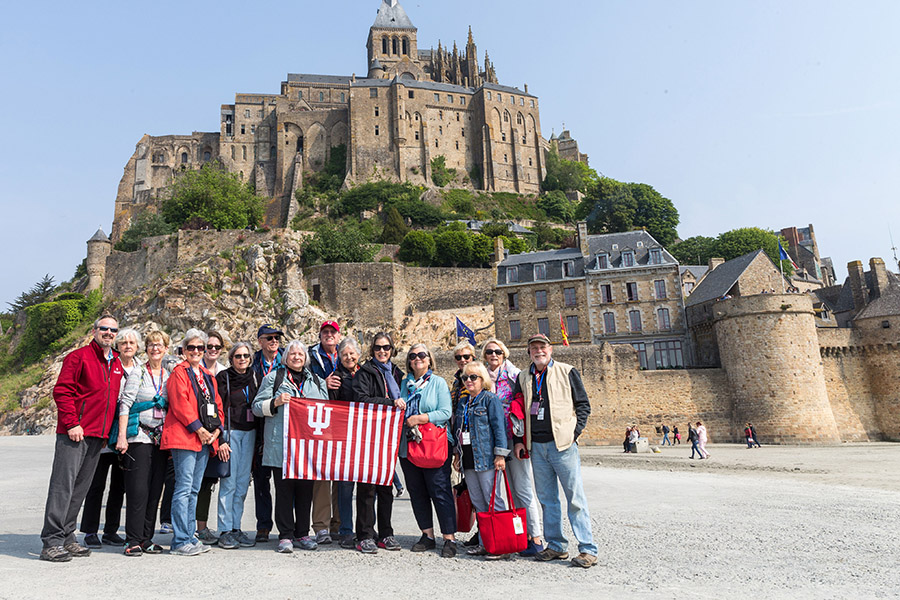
502	532
431	452
464	512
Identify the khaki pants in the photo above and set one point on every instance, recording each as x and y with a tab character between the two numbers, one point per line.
325	513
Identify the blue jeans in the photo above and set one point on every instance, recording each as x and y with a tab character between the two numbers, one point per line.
189	468
233	490
666	439
345	507
551	466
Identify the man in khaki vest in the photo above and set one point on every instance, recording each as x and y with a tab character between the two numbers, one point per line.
556	410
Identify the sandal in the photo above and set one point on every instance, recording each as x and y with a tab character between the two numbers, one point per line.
134	550
152	548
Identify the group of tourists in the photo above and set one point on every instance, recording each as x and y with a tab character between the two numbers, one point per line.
173	428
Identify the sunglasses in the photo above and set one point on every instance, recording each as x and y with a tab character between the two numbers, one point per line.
241	356
269	338
496	351
110	329
385	348
470	377
419	355
213	347
192	348
463	357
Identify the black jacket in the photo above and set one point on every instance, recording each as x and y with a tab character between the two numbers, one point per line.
345	392
370	386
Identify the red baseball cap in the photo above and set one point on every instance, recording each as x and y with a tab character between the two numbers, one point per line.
332	324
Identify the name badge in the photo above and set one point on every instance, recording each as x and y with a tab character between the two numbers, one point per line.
540	415
158	413
211	410
250	416
535	406
466	438
518	527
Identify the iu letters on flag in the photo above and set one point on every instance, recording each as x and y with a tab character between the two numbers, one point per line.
341	441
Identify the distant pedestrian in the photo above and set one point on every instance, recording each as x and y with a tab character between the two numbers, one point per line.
748	436
753	433
632	439
665	432
625	443
676	434
692	438
701	440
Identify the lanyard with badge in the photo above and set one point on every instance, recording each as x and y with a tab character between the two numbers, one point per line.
299	387
157	396
537	405
464	434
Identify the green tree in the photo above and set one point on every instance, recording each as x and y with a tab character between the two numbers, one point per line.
515	245
417	247
37	294
214	195
567	175
80	270
453	248
744	240
655	212
482	250
395	228
695	250
495	229
333	244
144	225
440	174
557	206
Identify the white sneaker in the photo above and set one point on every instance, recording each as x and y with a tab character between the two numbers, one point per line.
165	528
285	546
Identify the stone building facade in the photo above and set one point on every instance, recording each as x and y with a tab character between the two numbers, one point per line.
411	107
620	288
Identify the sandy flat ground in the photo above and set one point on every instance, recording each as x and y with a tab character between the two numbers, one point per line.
776	522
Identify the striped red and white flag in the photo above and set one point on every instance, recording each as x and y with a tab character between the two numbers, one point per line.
341	441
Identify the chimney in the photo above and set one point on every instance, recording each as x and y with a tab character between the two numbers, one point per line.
715	262
879	276
499	251
582	239
858	284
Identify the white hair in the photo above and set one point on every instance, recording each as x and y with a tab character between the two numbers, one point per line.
301	346
193	334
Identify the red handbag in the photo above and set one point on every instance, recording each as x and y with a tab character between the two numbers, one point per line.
502	532
464	512
431	452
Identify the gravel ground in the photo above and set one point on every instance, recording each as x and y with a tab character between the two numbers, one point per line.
778	522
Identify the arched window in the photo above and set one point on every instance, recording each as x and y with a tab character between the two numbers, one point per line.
206	155
232	153
184	158
244	152
395	46
271	151
299	143
384	46
405	46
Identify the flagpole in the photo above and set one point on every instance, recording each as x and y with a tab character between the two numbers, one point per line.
781	268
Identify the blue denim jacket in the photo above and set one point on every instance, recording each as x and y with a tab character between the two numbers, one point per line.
487	428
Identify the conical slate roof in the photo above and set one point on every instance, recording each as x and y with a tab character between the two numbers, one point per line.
99	236
391	15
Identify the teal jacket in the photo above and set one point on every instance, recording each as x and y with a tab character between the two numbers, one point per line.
263	406
435	402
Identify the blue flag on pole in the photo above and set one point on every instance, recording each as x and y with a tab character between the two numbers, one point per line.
464	332
784	255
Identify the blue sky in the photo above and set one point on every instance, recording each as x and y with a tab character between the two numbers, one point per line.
762	113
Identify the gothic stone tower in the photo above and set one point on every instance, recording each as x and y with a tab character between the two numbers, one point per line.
392	41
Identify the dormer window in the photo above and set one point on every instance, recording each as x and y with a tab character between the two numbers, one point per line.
628	259
512	274
602	261
568	268
540	272
655	256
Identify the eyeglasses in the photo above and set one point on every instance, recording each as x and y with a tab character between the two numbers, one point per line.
463	357
419	355
155	345
241	356
110	329
213	347
385	348
496	351
192	348
269	338
470	377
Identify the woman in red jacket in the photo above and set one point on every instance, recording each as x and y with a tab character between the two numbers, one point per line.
191	431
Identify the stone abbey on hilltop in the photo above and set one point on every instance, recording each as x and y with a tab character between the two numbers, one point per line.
412	106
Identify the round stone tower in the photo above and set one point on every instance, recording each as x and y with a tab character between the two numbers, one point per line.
98	248
376	70
770	352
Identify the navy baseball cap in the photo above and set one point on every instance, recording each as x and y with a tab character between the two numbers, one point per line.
268	330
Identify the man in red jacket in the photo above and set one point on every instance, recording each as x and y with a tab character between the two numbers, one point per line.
86	394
